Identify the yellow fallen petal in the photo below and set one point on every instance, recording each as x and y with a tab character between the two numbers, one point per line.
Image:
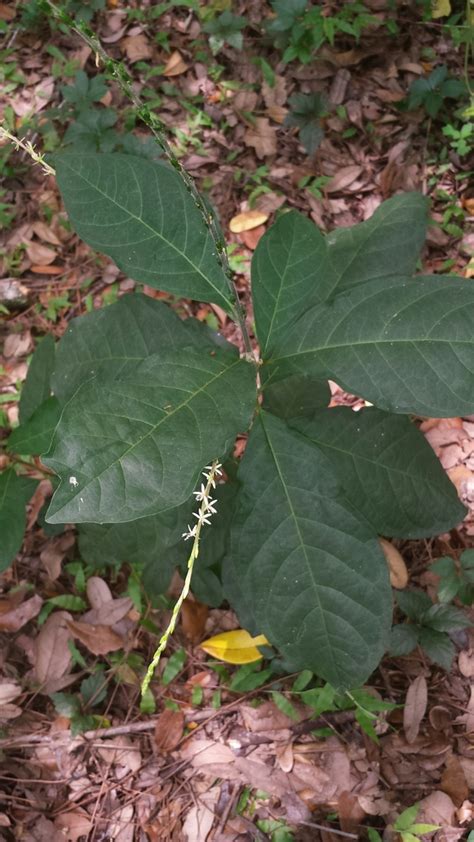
235	647
247	220
440	8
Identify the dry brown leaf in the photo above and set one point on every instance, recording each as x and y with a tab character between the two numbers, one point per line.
247	220
19	615
252	238
193	619
45	232
98	639
415	708
397	567
43	490
18	344
73	824
52	655
344	177
53	554
453	781
350	812
262	136
466	663
277	113
137	47
121	752
284	755
109	613
436	808
98	591
7	12
276	95
9	690
200	818
169	730
40	254
10	711
267	717
175	65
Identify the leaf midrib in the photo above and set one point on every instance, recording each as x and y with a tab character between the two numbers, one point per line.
153	230
355	344
150	432
300	537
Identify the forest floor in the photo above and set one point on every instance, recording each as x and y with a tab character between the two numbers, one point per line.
210	763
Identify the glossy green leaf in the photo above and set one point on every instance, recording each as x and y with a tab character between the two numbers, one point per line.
403	639
296	396
406	345
15	492
437	646
286	268
140	214
135	446
37	386
112	340
387	244
33	438
388	470
310	574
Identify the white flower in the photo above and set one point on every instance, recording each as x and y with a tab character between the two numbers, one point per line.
201	495
191	533
203	518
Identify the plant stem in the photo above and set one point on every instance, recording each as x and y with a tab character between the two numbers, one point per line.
187	584
117	71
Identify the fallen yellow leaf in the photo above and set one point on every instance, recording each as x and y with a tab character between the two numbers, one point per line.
247	220
440	8
396	565
175	65
235	647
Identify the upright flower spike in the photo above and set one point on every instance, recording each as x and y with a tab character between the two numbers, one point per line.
203	516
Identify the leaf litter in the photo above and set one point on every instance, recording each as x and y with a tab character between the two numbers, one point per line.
180	773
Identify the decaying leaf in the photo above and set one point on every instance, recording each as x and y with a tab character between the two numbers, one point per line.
175	65
262	136
53	657
235	647
415	707
169	730
73	824
453	781
19	615
247	220
98	639
137	47
396	565
193	619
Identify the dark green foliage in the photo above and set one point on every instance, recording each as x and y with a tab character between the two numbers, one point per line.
306	111
431	91
146	400
225	29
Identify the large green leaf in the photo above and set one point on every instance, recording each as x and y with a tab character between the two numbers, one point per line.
287	264
33	438
308	571
37	386
296	396
139	213
15	492
112	340
388	244
388	470
406	345
135	446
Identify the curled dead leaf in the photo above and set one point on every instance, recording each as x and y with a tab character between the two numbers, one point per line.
262	136
247	220
19	615
137	47
169	730
397	567
51	648
98	639
175	65
415	708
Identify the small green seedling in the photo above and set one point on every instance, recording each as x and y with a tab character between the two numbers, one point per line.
225	29
429	627
93	691
460	140
306	113
407	828
430	92
457	580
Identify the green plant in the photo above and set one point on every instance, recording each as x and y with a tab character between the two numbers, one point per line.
225	29
92	692
299	29
306	112
146	400
461	140
457	581
428	627
409	830
430	92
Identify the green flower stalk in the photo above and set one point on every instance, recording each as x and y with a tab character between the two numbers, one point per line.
203	515
27	146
